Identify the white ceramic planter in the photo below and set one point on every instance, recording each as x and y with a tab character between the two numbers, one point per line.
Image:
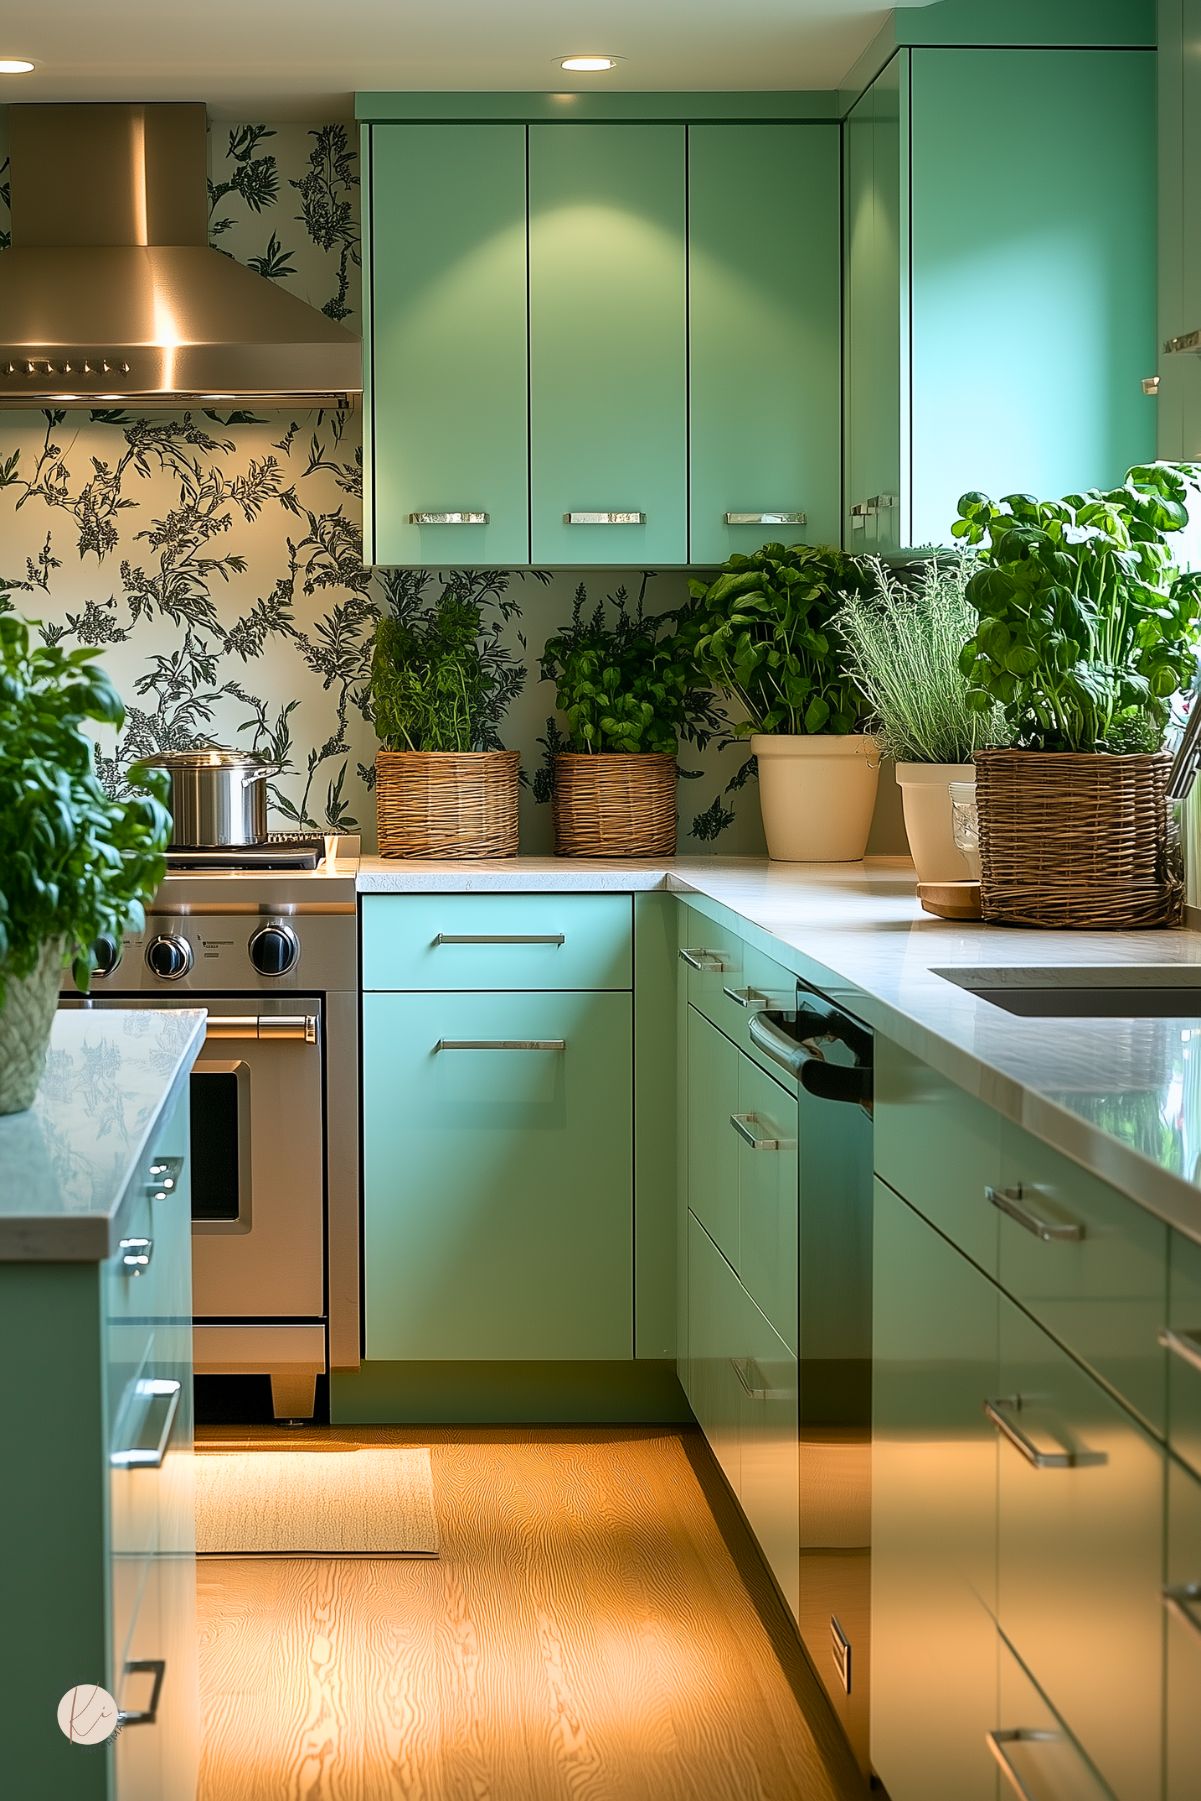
926	799
818	795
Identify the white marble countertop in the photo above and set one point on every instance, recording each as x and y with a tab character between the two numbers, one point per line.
66	1163
1120	1096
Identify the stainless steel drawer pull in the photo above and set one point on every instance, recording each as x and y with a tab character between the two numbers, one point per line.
999	1742
164	1392
707	962
301	1027
746	997
1183	1600
148	1666
1040	1460
501	1044
500	938
604	518
754	1383
462	518
1012	1201
1182	1344
765	519
744	1124
164	1172
136	1254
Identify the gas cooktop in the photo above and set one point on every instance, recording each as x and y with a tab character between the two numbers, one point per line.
278	851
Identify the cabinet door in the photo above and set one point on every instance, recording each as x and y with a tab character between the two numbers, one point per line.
712	1145
873	307
447	371
763	335
1183	1600
1032	1747
497	1181
608	343
716	1340
766	1143
1183	1342
766	1371
1080	1552
934	1478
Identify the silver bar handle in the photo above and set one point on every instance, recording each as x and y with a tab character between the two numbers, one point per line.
149	1666
998	1743
746	997
500	938
754	1383
464	517
1180	1600
1187	341
136	1254
766	519
501	1044
707	962
1039	1460
604	518
1012	1202
138	1457
777	1044
744	1124
265	1027
1185	1345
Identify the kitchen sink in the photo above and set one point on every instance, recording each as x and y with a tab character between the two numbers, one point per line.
1074	992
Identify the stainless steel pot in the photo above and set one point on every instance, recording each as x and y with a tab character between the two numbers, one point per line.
218	796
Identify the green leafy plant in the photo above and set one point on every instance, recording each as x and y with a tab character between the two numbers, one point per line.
75	865
442	677
763	633
1085	626
903	640
625	681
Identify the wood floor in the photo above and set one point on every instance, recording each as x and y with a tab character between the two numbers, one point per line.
597	1628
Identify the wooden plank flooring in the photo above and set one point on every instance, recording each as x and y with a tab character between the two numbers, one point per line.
598	1628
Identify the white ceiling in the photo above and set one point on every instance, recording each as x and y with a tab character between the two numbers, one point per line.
305	58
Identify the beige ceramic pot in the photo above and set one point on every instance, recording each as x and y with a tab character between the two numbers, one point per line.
817	794
25	1021
929	819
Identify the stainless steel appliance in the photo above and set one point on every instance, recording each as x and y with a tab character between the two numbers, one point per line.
273	955
830	1053
218	796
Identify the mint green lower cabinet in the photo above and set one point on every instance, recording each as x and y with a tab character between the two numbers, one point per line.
1080	1554
934	1514
716	1331
767	1196
471	942
712	1143
498	1206
1183	1355
768	1482
764	334
1184	1636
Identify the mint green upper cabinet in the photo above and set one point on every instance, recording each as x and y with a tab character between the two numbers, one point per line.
1033	244
873	306
764	300
448	428
608	342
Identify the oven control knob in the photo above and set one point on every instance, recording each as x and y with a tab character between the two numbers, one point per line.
169	957
106	954
274	949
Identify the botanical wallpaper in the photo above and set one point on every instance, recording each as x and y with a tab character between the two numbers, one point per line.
217	556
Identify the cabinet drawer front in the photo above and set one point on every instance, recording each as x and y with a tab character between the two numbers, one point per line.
1032	1746
1089	1264
156	1680
1183	1358
496	941
766	1371
712	1145
767	1197
938	1148
447	344
715	1341
1184	1636
498	1181
729	982
1080	1554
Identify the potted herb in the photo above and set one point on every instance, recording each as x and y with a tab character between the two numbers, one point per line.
627	688
442	679
75	865
763	633
903	639
1085	631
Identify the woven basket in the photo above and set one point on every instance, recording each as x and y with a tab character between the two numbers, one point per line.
1079	840
446	803
613	805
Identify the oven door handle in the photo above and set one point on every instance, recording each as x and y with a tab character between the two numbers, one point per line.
301	1027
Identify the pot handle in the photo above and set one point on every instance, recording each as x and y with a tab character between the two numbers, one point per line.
261	775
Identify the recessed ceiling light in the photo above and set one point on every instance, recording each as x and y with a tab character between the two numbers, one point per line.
588	65
14	65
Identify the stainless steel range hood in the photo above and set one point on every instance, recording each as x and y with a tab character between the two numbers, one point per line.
111	293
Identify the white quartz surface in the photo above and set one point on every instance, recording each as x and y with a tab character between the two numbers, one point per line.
66	1163
1120	1096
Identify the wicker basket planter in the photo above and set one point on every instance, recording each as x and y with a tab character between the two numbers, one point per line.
613	805
1076	840
447	803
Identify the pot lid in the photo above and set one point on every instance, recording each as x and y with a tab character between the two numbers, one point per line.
205	756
